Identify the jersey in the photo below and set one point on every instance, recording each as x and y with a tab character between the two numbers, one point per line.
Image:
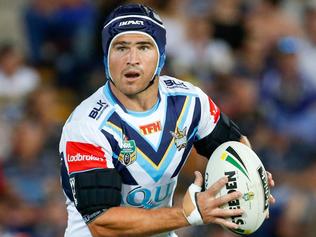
148	149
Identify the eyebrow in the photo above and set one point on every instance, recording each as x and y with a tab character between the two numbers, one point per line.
124	43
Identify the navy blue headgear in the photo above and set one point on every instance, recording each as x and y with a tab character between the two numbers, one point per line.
134	18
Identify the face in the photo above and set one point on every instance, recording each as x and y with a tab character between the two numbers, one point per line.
133	60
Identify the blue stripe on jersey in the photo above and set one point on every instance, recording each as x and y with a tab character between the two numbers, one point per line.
127	178
191	135
145	113
154	162
108	94
176	106
65	178
150	169
182	93
111	97
106	118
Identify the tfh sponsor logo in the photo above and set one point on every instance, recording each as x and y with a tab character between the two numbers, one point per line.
150	128
84	156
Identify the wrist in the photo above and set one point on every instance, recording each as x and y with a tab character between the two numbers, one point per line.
190	206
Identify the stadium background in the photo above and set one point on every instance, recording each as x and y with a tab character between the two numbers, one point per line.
255	58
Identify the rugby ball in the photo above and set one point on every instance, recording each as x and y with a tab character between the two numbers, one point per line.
246	174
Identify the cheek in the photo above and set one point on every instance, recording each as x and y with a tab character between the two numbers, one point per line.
115	66
151	62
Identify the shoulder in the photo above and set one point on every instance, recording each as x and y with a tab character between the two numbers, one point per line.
92	111
173	86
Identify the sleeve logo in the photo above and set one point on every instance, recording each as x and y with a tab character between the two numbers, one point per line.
84	156
214	110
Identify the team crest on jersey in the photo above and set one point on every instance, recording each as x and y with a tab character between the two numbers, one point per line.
128	152
180	138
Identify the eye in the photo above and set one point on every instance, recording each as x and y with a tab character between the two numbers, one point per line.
144	47
120	48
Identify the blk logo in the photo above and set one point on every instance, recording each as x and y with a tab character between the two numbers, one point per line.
98	109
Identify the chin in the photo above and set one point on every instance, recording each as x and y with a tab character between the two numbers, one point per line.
131	91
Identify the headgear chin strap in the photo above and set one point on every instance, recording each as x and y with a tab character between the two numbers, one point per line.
135	18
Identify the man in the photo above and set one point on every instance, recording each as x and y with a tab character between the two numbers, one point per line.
123	148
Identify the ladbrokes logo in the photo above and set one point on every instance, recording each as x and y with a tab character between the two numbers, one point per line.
84	156
79	157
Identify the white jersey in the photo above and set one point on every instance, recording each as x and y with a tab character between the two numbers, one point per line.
148	149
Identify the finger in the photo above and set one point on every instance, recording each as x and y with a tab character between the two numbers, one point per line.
270	179
219	212
198	179
217	186
226	223
226	198
271	199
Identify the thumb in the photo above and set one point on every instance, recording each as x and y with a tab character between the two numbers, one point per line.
198	178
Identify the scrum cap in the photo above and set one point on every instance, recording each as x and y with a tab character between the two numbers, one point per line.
134	18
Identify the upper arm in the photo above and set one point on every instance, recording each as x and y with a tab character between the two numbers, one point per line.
214	129
94	185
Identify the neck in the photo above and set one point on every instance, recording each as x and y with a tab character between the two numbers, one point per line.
140	102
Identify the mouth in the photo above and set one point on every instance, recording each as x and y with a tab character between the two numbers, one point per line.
132	75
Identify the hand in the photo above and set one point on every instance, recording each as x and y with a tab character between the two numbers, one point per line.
210	206
271	184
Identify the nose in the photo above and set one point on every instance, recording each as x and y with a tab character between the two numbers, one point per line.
133	57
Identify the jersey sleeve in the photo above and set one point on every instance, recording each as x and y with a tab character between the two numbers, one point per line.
84	148
88	176
210	114
214	128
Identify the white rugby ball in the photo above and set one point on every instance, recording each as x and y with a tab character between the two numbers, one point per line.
246	174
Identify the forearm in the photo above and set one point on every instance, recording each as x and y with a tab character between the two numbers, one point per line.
128	221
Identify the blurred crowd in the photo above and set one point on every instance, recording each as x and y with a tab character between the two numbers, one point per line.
255	58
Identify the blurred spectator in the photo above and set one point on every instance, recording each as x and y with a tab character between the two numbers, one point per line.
29	171
16	79
268	22
173	15
61	34
289	98
200	54
27	166
227	18
42	107
308	46
251	58
284	138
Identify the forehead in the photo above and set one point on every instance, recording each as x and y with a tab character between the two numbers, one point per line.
132	38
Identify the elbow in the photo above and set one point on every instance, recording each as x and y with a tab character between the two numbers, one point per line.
101	230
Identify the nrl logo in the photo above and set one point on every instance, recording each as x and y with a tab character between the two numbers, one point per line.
128	152
180	138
